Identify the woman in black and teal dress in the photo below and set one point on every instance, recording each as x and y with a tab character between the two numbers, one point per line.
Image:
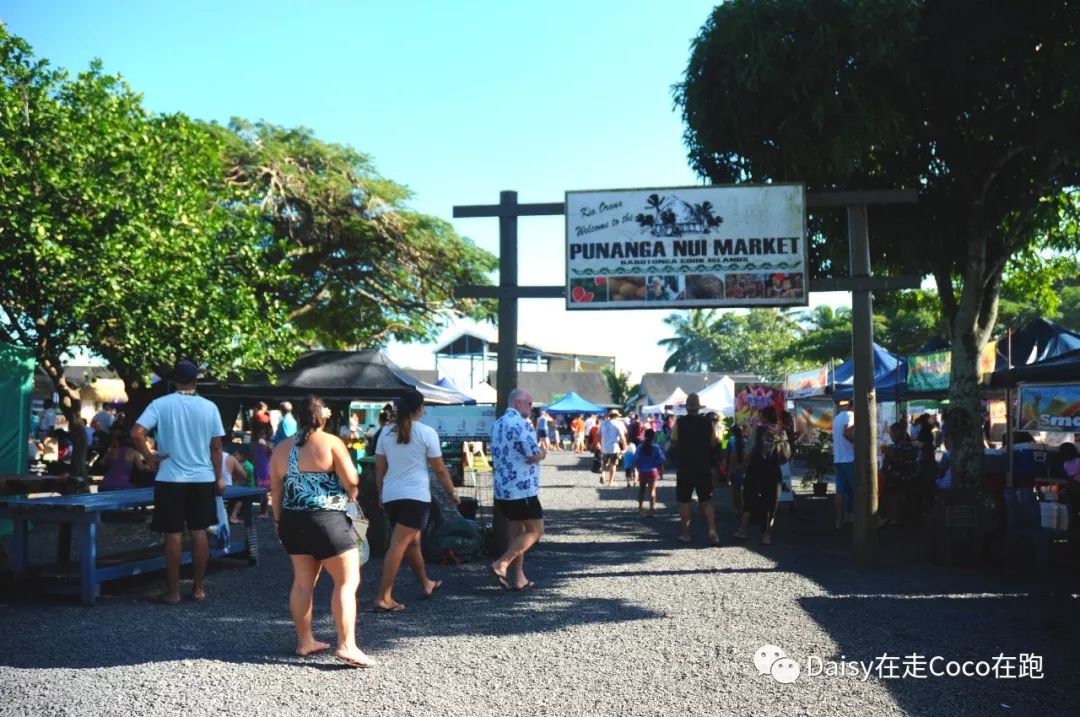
312	481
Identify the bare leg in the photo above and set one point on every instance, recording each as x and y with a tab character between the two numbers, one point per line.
709	511
415	557
652	498
345	571
400	541
174	547
306	571
744	526
523	538
684	522
200	556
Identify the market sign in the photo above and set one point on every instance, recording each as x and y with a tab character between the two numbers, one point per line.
931	372
812	418
753	398
1049	408
807	383
683	247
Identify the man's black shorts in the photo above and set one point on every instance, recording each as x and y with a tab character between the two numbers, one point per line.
178	503
688	483
410	513
521	509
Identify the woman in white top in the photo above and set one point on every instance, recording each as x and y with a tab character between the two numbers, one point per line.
405	451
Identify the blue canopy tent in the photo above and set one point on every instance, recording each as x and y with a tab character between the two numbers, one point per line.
573	403
1064	368
449	386
1036	341
890	377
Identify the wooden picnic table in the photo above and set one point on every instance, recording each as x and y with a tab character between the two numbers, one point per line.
83	513
25	483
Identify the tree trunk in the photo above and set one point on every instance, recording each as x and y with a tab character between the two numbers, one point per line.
70	405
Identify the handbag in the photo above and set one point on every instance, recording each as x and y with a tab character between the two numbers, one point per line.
358	522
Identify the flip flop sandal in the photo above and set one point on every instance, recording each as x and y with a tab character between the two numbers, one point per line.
500	579
435	589
527	586
380	609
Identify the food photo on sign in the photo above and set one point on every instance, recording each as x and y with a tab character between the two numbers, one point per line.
750	401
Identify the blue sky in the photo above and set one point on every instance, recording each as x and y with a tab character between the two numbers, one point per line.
458	101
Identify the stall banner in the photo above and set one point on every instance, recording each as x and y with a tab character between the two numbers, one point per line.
813	418
753	398
807	383
460	422
683	247
1049	408
931	372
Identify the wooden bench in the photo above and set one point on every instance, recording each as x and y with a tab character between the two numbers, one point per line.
83	513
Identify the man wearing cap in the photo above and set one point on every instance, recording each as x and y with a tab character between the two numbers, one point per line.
286	427
612	444
189	433
694	441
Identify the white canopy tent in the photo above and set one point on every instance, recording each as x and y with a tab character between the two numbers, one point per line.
719	397
675	403
482	393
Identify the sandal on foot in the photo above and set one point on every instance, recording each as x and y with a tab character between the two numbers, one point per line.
500	579
380	609
527	586
434	589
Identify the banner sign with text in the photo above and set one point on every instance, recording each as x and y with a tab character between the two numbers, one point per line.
1049	408
812	418
686	247
460	422
807	383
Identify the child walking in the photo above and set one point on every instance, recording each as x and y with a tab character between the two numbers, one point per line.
649	462
628	465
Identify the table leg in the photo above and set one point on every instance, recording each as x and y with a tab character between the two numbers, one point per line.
251	542
63	544
88	562
20	546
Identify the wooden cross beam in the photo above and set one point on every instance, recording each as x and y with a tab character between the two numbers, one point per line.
860	283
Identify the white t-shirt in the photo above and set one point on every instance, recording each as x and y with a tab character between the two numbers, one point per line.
843	450
610	432
407	463
185	426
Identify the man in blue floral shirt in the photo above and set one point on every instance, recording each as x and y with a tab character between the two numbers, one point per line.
516	457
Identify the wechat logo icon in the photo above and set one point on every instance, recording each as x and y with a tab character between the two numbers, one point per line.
772	660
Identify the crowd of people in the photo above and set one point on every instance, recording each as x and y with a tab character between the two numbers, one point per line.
311	477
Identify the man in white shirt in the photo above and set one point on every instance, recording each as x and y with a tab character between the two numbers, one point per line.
612	443
843	431
189	433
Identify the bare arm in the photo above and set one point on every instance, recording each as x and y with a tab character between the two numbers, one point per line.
216	450
343	466
138	437
439	468
277	477
380	473
849	433
236	471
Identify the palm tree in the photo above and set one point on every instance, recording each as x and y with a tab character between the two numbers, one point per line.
618	384
693	348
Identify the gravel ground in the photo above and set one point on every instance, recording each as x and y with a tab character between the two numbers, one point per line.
624	621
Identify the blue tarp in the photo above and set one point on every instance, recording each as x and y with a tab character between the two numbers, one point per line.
573	403
887	379
449	386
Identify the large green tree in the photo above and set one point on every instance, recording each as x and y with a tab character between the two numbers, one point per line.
750	342
366	268
118	234
975	106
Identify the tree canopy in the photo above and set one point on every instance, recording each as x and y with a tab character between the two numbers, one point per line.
364	267
976	107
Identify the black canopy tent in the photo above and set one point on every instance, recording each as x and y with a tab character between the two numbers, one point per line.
338	377
1064	368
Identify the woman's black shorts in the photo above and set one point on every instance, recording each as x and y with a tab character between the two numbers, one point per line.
521	509
410	513
321	534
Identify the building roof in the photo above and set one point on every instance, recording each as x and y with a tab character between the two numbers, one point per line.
657	386
472	345
544	385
